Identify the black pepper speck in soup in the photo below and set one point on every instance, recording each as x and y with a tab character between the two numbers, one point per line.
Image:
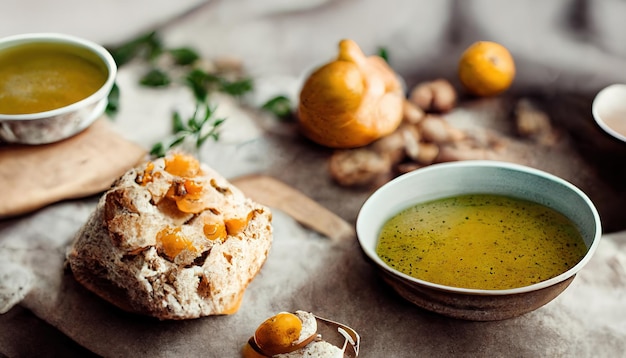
481	241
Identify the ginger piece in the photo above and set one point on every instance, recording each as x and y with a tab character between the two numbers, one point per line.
407	167
412	113
394	146
434	96
427	153
533	123
356	167
437	130
462	151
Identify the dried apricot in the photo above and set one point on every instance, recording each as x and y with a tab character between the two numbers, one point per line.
192	188
171	242
191	205
235	225
188	195
182	165
278	334
214	229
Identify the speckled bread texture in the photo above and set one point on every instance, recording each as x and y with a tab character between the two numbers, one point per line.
140	252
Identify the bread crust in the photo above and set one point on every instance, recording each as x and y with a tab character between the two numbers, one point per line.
117	253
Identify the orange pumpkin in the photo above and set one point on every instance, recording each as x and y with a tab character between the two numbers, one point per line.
351	101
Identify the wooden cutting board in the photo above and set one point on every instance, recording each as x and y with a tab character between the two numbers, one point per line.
276	194
32	177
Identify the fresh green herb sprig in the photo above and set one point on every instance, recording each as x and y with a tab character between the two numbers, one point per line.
202	83
202	125
199	127
147	46
280	106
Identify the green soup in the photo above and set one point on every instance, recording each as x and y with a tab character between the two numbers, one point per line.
41	77
481	241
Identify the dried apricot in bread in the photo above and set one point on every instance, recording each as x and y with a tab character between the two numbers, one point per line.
172	239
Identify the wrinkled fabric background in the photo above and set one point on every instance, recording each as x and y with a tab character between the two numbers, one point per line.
561	47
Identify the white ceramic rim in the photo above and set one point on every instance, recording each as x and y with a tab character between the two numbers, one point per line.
599	101
371	253
52	37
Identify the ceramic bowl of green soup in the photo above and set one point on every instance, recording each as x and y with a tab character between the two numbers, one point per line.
52	86
478	240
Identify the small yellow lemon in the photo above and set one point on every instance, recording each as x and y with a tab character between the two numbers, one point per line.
486	68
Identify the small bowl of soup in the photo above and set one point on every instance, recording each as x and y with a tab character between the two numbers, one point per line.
478	240
609	110
52	86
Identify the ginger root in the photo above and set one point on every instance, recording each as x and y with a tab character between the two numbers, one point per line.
533	123
434	96
414	144
424	137
357	167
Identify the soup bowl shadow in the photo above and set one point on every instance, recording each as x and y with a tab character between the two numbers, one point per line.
60	123
440	181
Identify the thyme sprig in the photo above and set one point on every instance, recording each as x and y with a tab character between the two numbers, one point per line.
182	68
201	126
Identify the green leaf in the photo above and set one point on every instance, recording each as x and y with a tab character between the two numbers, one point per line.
184	56
193	124
382	52
213	133
279	106
177	123
155	78
196	80
113	104
147	46
208	113
154	46
177	141
158	150
124	54
237	88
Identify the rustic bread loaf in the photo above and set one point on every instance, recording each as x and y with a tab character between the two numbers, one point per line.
172	239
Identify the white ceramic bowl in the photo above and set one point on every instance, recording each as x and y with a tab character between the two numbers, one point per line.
609	110
467	177
54	125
